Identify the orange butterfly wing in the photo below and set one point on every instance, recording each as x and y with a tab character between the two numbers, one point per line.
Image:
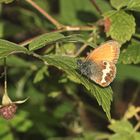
108	51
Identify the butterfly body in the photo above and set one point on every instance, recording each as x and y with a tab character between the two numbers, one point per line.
99	66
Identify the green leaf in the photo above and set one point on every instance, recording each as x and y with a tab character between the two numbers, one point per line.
136	136
50	38
134	5
67	48
131	54
7	48
78	38
122	25
44	39
68	64
75	38
40	74
125	136
20	63
118	4
122	126
6	1
123	131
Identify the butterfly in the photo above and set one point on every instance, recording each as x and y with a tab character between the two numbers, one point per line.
99	65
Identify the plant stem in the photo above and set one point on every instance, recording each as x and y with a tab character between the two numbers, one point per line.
137	126
137	116
60	27
50	18
83	47
26	42
5	99
5	77
64	29
96	6
79	28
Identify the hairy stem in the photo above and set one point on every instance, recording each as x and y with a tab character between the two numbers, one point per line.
49	17
83	47
136	127
96	6
5	77
64	29
60	27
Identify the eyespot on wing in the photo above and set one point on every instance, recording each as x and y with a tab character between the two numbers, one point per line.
108	73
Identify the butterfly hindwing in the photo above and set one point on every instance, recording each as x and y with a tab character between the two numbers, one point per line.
107	74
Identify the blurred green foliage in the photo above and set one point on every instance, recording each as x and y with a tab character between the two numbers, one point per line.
63	104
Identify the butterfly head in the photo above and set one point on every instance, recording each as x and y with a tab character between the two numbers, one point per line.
84	67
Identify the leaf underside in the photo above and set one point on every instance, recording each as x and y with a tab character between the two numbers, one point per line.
68	64
7	48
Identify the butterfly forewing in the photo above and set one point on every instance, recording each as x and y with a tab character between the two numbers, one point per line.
108	51
99	65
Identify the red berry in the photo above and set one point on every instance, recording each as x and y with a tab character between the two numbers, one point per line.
8	111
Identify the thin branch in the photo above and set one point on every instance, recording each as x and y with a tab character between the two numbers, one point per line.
5	77
79	28
64	29
26	42
83	47
50	18
137	117
136	127
96	6
60	27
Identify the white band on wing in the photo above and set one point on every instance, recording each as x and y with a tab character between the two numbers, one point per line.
105	71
